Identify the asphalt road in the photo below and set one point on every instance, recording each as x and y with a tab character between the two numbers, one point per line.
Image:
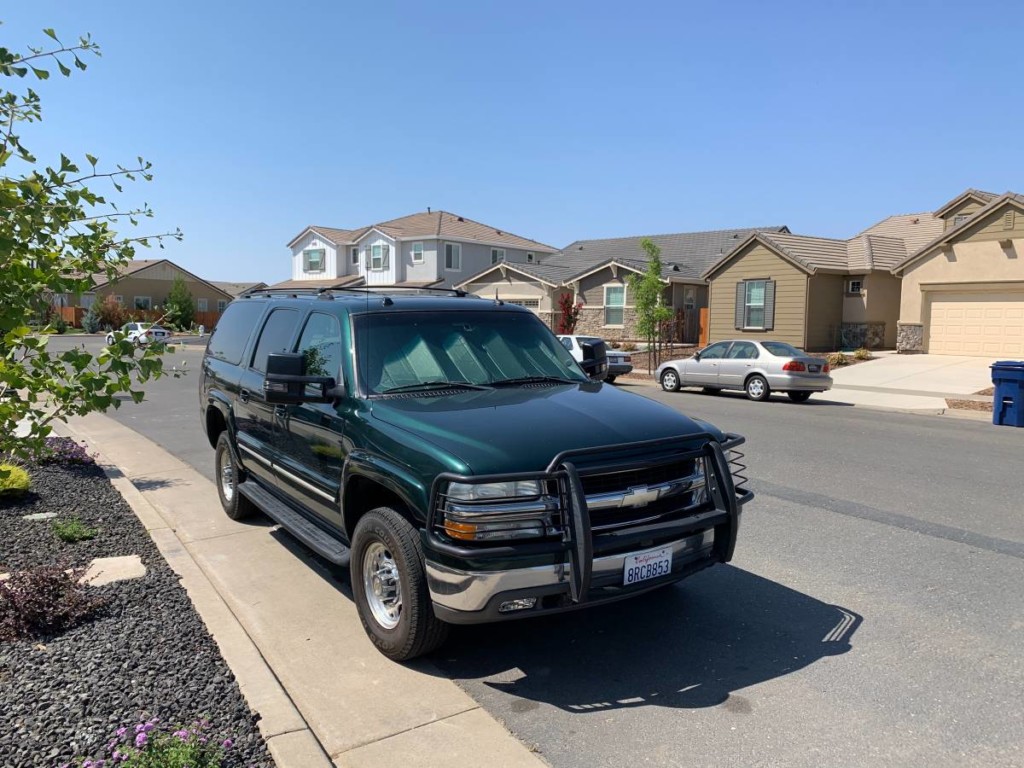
873	613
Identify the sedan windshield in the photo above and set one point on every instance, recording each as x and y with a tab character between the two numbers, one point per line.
397	351
781	349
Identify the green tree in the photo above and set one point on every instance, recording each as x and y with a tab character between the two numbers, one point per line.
648	290
179	306
56	231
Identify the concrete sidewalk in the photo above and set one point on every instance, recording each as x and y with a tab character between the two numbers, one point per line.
289	631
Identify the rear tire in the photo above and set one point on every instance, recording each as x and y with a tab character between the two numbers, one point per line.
609	379
229	476
389	586
757	388
670	380
799	397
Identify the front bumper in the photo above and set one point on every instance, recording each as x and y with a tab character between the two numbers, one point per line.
469	585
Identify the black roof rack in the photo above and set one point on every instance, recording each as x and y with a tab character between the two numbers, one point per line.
325	293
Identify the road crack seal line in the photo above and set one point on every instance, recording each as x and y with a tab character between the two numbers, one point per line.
892	519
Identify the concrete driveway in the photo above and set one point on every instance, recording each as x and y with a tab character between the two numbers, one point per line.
910	382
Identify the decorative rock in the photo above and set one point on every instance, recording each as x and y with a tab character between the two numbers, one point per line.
40	516
107	570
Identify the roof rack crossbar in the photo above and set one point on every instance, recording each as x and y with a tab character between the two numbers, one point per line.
311	291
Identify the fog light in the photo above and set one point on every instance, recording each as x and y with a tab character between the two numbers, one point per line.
519	604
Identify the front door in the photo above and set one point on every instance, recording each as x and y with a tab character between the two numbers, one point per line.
704	372
312	449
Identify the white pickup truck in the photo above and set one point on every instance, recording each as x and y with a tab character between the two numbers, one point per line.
619	363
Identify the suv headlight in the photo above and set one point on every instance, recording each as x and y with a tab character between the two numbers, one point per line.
514	509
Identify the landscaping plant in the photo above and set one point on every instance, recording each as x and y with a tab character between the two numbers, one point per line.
57	232
14	481
180	306
838	359
648	292
45	600
570	313
64	451
862	354
73	530
144	746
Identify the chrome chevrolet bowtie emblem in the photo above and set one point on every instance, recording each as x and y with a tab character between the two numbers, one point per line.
640	496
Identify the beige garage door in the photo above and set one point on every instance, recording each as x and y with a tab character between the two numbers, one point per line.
986	325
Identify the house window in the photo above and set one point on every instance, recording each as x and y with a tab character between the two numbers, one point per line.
854	286
313	260
143	302
379	256
221	304
497	254
202	305
453	257
355	256
417	253
689	298
753	305
529	257
614	301
960	218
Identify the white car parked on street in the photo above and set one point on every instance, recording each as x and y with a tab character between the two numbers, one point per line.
619	363
141	333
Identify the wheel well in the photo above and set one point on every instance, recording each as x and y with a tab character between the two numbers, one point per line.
362	495
752	374
215	424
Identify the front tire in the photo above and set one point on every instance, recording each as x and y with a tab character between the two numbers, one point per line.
229	476
389	586
799	397
670	380
757	388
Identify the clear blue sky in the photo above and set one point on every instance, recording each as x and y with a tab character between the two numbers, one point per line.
553	120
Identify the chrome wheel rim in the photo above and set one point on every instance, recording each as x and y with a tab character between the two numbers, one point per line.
669	381
227	476
382	585
755	388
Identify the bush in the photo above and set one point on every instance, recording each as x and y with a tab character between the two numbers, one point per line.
14	481
146	747
629	346
838	359
111	314
60	325
73	530
862	354
91	321
43	601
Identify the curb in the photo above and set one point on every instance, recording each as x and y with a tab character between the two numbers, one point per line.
287	735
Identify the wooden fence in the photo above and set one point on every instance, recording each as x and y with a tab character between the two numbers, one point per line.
73	316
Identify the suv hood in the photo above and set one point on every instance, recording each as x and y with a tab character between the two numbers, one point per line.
521	429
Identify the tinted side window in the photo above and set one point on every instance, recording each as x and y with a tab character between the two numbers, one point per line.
715	351
276	336
320	346
742	350
232	331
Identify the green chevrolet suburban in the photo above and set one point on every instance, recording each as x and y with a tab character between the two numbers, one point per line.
454	456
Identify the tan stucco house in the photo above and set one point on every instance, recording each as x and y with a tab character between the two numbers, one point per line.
596	274
962	292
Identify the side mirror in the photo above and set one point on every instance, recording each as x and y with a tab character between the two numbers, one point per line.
696	356
286	383
595	360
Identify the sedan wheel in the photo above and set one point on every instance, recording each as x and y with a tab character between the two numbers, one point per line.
799	397
757	388
670	381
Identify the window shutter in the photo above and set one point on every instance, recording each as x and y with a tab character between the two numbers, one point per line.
385	261
741	304
769	305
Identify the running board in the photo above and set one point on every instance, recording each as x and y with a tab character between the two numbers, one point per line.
296	524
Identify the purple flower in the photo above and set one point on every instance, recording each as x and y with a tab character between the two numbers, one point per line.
227	743
139	728
122	731
182	734
147	727
140	739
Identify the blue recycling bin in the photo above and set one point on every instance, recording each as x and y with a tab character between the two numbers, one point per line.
1008	398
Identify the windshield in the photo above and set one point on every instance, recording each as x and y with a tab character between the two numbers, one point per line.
399	350
781	349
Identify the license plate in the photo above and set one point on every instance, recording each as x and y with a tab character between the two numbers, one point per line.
813	368
651	564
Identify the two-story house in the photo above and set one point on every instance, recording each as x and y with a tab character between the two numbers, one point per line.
435	248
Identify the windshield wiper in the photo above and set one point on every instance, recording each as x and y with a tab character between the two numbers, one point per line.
533	380
429	385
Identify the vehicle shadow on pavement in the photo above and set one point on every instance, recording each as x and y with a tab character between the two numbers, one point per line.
689	645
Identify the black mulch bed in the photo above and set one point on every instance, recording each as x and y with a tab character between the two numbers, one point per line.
146	654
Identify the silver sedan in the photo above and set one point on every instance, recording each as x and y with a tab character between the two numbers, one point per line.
755	367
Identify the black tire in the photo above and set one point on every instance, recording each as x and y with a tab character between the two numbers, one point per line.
383	532
799	397
712	391
229	476
757	388
670	380
609	379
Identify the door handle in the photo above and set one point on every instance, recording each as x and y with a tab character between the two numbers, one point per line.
244	395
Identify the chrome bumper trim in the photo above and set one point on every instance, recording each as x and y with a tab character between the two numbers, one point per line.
460	590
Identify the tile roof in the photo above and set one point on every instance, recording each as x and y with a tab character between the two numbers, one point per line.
236	289
812	252
914	229
135	265
683	255
431	224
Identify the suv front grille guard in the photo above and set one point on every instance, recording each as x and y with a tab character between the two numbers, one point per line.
577	537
